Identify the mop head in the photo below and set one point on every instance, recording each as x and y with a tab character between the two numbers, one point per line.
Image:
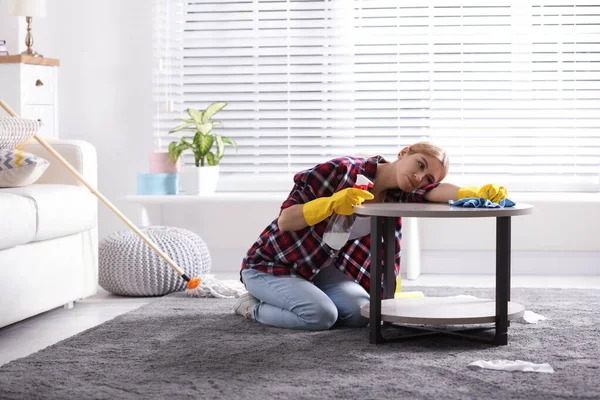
209	286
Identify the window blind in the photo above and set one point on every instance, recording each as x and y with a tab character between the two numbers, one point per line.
167	68
510	89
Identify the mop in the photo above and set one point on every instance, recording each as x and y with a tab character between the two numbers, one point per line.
196	286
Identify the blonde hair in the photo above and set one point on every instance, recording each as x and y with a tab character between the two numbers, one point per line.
432	150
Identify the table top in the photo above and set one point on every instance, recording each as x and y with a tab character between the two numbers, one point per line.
438	210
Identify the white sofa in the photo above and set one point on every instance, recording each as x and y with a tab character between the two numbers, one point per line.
49	236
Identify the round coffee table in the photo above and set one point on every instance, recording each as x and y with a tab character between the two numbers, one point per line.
437	311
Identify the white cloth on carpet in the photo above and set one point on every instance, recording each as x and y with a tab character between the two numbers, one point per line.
509	365
529	317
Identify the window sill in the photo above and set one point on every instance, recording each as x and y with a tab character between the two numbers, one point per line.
524	197
556	197
217	197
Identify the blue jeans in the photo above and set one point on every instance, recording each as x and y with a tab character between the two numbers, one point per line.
295	303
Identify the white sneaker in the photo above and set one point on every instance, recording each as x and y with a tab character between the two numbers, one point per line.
245	304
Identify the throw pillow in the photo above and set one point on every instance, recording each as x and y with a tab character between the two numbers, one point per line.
18	168
32	140
14	131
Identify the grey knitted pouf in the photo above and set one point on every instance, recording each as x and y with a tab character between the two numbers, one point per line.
128	266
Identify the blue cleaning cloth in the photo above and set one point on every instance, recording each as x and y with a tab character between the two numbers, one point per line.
474	202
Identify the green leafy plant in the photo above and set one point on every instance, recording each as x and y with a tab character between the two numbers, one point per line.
202	142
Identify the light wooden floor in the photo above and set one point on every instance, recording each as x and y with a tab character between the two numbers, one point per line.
27	337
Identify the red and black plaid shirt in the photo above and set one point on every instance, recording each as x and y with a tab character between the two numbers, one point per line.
303	252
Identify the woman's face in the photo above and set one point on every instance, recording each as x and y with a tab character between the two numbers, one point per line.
416	170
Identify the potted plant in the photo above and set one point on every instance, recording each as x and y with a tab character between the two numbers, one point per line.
203	178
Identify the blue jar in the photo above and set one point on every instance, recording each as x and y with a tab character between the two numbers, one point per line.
157	184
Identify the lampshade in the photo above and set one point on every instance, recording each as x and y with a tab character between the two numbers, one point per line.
27	8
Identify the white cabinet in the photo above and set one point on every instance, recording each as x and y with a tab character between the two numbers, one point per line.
30	86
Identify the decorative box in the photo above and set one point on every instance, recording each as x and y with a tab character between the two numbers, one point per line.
157	184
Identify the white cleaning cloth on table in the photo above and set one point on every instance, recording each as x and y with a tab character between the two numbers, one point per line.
509	365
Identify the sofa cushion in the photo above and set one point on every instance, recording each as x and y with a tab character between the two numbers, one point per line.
18	217
60	210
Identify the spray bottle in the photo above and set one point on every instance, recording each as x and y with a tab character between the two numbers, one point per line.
339	227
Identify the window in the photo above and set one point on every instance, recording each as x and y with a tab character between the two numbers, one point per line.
511	90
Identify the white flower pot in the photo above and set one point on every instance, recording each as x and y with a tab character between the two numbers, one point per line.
198	180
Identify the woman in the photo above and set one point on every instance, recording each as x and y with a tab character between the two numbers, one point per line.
294	280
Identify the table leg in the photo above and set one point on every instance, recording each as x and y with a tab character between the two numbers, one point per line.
503	255
375	290
389	254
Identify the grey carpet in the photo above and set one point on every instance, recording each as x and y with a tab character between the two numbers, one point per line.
179	347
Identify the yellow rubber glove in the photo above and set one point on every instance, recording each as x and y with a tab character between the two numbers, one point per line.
493	192
341	202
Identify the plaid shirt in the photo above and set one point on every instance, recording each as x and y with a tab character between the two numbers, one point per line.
303	252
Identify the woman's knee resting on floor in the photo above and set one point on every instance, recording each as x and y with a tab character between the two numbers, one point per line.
319	317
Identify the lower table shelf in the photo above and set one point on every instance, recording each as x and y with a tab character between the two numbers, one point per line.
443	311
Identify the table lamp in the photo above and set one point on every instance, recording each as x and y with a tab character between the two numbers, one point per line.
28	9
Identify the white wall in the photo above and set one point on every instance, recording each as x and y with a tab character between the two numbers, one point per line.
9	28
560	237
105	85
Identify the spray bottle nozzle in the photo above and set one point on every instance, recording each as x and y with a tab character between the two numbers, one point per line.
362	182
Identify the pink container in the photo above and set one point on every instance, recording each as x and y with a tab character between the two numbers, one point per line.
160	163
